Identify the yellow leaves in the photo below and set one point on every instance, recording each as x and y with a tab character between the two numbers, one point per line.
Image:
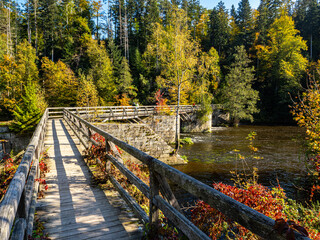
307	113
60	83
284	50
202	26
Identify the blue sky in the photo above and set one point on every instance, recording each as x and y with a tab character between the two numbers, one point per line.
209	4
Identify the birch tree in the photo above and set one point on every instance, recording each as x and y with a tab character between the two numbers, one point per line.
177	54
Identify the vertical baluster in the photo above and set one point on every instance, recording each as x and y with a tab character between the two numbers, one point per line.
154	191
108	164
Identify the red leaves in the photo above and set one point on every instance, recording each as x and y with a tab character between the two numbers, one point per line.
287	228
257	197
10	167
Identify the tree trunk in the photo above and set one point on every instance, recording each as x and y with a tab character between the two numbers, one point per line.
35	5
120	24
28	21
311	47
177	121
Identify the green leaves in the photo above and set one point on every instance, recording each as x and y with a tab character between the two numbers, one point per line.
28	112
237	94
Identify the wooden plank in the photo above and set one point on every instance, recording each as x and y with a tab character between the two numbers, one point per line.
71	203
114	234
112	220
32	210
154	191
102	228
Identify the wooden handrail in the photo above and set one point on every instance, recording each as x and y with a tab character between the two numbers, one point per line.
249	218
18	205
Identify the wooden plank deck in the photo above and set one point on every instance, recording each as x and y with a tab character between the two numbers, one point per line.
73	208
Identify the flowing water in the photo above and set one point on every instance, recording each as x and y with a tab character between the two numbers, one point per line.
214	155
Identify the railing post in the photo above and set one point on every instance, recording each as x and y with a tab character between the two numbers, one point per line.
154	211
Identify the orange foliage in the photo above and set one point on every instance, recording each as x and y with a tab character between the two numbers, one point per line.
123	100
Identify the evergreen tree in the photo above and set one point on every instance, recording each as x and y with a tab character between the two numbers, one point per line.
219	28
244	22
239	98
101	71
28	112
124	82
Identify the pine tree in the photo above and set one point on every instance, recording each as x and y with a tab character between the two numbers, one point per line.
28	112
101	71
244	22
219	28
124	82
239	98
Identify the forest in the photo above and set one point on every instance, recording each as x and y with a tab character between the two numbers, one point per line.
121	52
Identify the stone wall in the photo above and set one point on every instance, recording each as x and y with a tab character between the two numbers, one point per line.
220	117
141	136
15	142
192	123
163	125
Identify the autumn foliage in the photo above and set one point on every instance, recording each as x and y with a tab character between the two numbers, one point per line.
258	197
306	112
161	103
7	173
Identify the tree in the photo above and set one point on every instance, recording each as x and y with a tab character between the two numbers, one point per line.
281	65
124	82
60	84
28	112
239	98
219	28
178	55
244	22
87	94
207	77
16	73
307	18
101	72
26	62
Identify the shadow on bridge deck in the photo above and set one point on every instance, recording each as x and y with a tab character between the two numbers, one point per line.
72	207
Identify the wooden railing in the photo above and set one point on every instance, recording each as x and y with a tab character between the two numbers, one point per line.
160	172
106	113
18	205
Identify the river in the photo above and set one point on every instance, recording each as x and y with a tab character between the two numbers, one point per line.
213	156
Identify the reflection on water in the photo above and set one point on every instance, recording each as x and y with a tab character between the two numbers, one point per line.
212	156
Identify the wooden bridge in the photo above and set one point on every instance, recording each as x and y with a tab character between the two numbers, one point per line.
74	209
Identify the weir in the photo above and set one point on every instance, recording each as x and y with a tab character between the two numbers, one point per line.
74	209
